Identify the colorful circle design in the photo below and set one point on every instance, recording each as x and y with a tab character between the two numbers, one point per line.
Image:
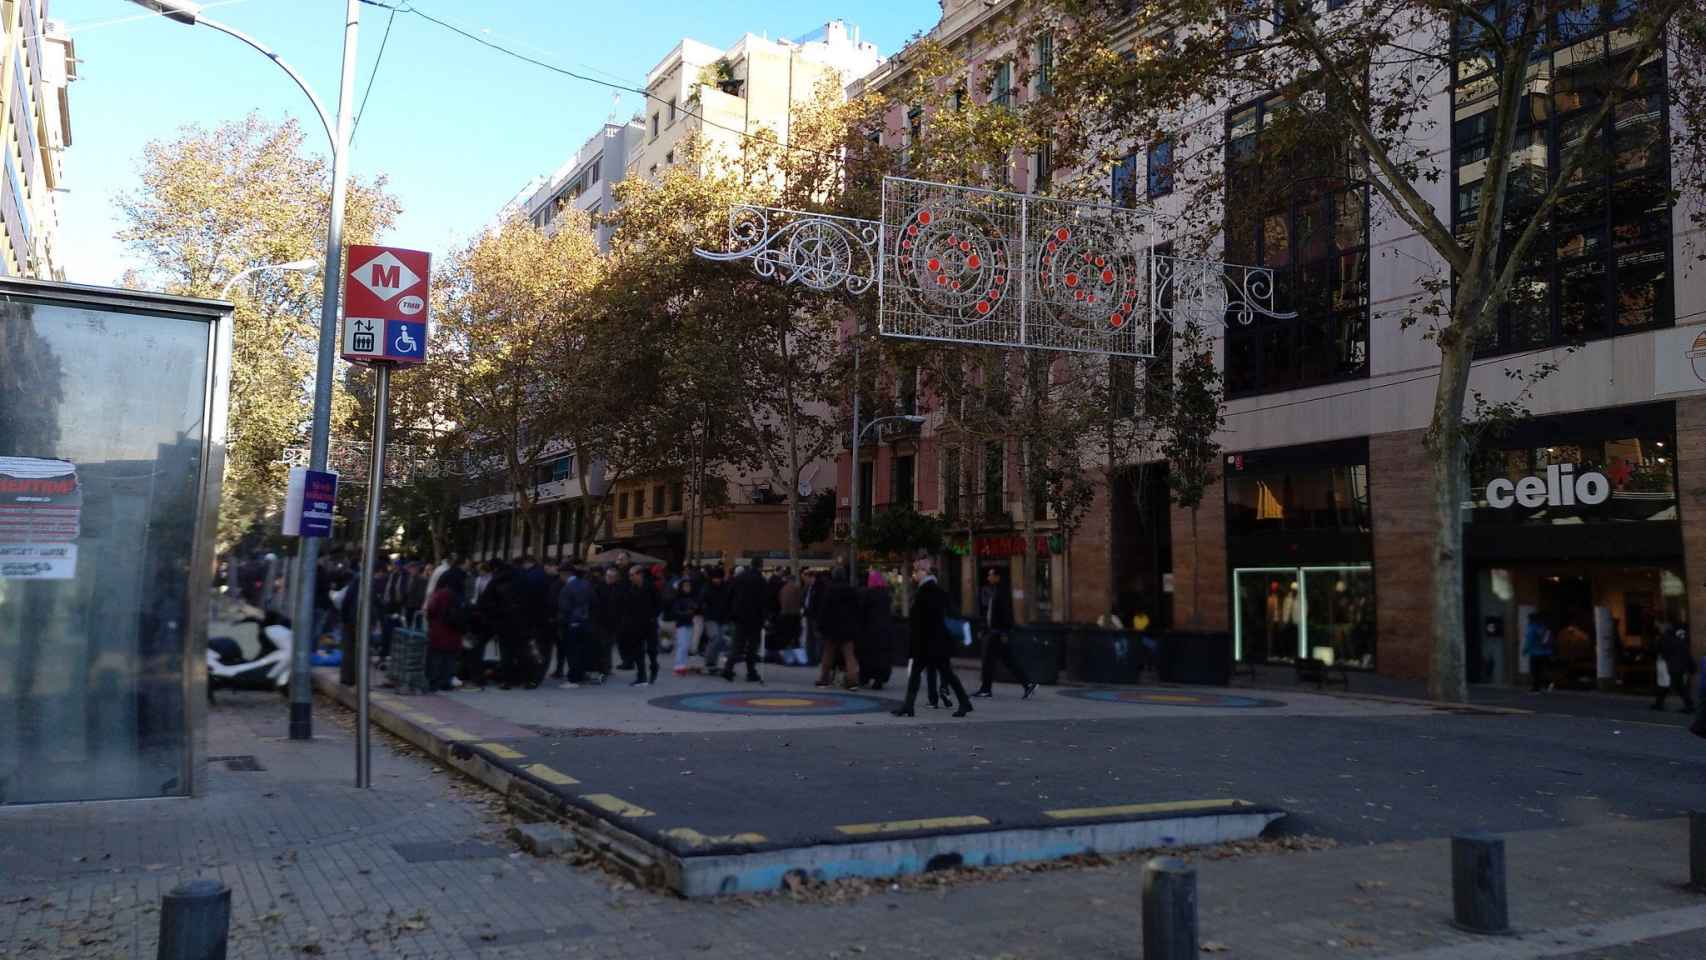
955	261
1088	279
1170	698
775	704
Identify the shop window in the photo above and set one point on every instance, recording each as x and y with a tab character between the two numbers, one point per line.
1295	499
1286	613
1620	478
1601	266
1289	208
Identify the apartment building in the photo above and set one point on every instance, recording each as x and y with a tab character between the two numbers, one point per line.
724	95
1589	513
39	63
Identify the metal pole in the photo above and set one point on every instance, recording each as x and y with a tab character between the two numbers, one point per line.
853	523
301	690
1478	897
369	551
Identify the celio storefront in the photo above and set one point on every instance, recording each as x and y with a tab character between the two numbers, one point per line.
1574	519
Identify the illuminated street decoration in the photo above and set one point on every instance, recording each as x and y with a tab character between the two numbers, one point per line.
974	266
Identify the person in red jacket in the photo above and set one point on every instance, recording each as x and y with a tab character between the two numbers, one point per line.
447	620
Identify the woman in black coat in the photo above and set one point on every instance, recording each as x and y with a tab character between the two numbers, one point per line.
931	644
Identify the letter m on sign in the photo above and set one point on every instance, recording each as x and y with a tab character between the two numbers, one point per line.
386	274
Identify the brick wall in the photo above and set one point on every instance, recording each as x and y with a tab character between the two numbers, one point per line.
1399	478
1091	569
1199	565
1691	503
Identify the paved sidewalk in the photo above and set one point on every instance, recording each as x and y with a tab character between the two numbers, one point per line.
417	867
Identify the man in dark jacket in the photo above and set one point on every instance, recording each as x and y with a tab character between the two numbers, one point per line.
639	627
749	602
995	606
501	612
931	644
716	599
607	619
575	602
1679	661
840	618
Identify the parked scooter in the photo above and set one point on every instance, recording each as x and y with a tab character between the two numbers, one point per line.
229	667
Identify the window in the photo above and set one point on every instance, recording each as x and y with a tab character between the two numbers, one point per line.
1633	450
1043	164
1297	498
959	97
1243	24
906	390
867	484
639	503
901	481
675	497
657	499
1123	192
653	172
951	482
622	506
1602	266
654	126
1160	166
1001	87
1289	208
592	171
1045	64
669	158
994	475
672	111
914	133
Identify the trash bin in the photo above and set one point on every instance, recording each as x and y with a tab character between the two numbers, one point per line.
1106	656
1195	656
408	656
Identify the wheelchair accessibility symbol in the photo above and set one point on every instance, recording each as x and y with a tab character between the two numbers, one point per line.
406	341
406	344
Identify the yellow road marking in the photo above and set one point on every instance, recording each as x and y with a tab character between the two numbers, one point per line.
615	805
901	826
499	750
694	838
549	775
1138	809
457	734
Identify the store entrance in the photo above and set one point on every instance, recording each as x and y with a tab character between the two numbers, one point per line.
1605	620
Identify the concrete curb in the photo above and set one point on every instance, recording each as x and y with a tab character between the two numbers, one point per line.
731	865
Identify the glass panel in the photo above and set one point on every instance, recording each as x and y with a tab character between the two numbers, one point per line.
1339	614
1643	288
1267	614
92	665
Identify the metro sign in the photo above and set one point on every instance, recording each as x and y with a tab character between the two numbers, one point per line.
385	306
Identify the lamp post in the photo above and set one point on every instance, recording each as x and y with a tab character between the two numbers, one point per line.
301	266
189	14
853	523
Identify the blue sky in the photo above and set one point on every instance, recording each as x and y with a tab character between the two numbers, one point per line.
457	128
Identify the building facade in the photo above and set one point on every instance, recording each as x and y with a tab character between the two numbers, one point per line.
723	96
39	62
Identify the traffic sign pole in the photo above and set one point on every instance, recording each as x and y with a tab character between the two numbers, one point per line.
369	555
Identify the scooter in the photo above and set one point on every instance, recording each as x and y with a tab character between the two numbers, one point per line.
230	668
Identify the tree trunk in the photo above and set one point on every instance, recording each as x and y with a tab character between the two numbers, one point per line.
1447	678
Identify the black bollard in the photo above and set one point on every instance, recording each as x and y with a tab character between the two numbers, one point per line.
195	919
1169	910
1697	849
1478	883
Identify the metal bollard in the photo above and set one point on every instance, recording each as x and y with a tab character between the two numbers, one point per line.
1478	883
1697	849
1169	910
195	919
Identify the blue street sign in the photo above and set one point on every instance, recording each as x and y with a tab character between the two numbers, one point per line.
405	341
319	501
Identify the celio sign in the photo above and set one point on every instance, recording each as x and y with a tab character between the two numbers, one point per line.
1561	487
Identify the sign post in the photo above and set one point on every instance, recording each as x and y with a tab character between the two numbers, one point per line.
385	325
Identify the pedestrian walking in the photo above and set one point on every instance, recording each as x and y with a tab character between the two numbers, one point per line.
1537	647
640	625
931	643
392	596
1678	661
840	619
447	621
717	619
790	609
876	658
995	605
749	602
607	620
684	609
575	602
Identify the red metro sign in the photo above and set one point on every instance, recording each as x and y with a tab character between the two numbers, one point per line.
385	304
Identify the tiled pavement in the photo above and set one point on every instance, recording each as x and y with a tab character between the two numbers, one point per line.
315	870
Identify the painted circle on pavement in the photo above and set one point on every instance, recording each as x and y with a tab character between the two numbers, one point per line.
1169	698
787	704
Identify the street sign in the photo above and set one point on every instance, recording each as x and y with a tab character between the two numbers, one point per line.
310	499
385	304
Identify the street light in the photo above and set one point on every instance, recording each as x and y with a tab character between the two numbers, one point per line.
853	524
299	266
189	14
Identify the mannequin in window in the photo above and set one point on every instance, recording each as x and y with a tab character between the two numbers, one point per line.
1288	619
1272	618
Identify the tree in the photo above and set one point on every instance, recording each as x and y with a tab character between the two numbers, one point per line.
431	482
1356	86
511	309
210	203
